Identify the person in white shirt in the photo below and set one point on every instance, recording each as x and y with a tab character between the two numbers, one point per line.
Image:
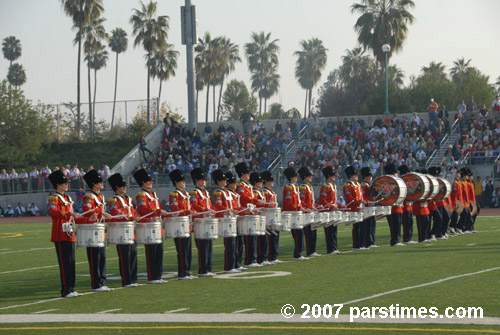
14	179
9	212
45	176
20	210
5	180
34	210
415	118
23	178
421	156
495	105
34	179
74	176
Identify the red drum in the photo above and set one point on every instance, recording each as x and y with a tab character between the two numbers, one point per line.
444	189
418	186
390	189
434	187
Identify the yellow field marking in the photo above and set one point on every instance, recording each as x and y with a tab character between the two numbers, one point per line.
488	331
10	235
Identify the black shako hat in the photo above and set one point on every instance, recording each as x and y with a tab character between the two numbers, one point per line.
403	169
350	171
434	171
304	173
390	169
176	176
230	178
255	178
92	178
57	178
116	181
267	176
218	175
241	169
141	176
290	173
198	174
328	172
366	172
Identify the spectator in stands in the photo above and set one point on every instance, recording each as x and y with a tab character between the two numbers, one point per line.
278	127
245	119
34	175
432	109
207	130
9	212
5	179
14	180
23	180
1	212
304	123
421	156
19	210
488	192
79	194
444	116
471	108
461	116
478	190
142	147
33	210
495	105
483	113
415	119
496	197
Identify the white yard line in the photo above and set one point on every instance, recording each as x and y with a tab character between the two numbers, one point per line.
39	302
16	251
109	311
46	311
176	310
439	281
243	311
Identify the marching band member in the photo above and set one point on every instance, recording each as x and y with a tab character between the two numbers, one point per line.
368	226
236	206
201	203
271	202
396	218
422	213
223	204
61	210
328	200
291	202
469	228
354	199
122	209
437	219
307	201
179	202
247	196
93	208
407	213
262	251
148	207
465	216
442	207
456	199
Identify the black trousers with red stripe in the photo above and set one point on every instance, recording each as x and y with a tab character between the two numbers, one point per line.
437	222
298	238
395	221
331	238
127	260
184	255
371	226
229	253
204	255
262	249
250	248
65	251
239	251
97	264
274	245
423	227
446	219
310	237
154	260
407	226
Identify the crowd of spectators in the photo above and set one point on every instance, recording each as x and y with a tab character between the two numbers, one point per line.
20	210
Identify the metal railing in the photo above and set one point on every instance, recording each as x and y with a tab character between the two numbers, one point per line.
481	158
430	161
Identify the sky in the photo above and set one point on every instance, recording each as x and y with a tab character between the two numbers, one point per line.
443	31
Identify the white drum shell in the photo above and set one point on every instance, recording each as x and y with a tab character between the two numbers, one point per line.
297	219
273	218
90	235
148	232
249	225
227	226
309	218
369	212
206	228
177	226
121	232
286	221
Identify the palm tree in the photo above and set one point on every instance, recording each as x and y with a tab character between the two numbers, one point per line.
150	30
262	57
11	48
353	63
435	69
270	87
16	75
396	75
230	55
199	83
80	12
383	22
163	64
461	67
311	60
97	60
118	44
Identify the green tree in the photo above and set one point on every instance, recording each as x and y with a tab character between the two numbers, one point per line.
270	86
229	56
150	30
474	83
311	60
262	57
163	64
98	59
118	43
383	22
24	129
11	48
16	75
80	12
237	100
435	69
396	75
460	67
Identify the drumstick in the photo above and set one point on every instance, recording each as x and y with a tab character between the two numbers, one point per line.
90	210
145	216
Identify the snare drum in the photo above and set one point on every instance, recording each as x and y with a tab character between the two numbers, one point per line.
262	225
391	189
273	218
434	187
227	226
286	221
206	228
337	217
148	232
320	220
369	211
418	186
309	218
444	189
382	211
121	232
248	225
176	227
90	235
297	219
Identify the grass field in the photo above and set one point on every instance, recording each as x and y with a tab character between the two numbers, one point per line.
462	271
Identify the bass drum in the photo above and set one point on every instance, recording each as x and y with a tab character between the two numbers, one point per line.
390	189
434	187
418	186
444	189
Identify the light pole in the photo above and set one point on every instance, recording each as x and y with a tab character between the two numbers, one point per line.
385	49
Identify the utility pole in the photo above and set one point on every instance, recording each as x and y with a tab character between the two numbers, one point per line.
189	37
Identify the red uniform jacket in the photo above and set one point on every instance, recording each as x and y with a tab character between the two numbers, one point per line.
465	194
328	197
121	205
235	200
200	201
247	196
179	201
432	205
307	196
420	208
222	201
271	198
471	193
92	203
60	209
291	198
260	196
456	194
147	202
353	195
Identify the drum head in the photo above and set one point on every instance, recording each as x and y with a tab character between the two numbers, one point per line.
387	189
434	187
417	185
444	189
